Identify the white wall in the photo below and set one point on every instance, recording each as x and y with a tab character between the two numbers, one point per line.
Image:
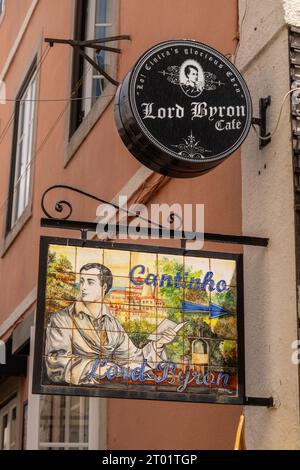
292	12
268	198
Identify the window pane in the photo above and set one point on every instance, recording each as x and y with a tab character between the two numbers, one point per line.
86	420
4	440
23	156
21	119
30	140
20	190
9	425
101	11
52	419
58	419
98	87
64	422
74	419
13	428
103	28
45	418
99	24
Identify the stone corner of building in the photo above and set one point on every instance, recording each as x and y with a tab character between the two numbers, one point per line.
292	12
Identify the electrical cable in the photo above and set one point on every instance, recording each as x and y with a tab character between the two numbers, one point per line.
271	134
47	136
54	100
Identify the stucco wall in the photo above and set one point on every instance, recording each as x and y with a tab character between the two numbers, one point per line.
292	12
268	210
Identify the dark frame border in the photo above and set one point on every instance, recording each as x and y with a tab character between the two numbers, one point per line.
188	43
38	388
24	425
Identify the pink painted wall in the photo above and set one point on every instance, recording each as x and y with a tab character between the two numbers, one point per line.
102	166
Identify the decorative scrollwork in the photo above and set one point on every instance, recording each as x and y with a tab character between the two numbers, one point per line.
62	204
175	217
59	207
190	148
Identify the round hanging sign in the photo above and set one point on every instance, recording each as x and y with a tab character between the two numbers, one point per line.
183	109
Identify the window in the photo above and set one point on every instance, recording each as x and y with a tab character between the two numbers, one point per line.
21	167
64	422
2	9
8	426
94	19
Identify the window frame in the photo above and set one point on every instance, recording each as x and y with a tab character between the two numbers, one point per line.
14	155
2	13
24	151
89	72
6	409
24	425
97	421
77	126
66	424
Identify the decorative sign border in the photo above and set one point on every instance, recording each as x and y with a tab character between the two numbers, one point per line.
183	108
155	50
134	391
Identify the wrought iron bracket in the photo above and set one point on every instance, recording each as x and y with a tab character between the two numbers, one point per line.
257	401
261	122
96	44
84	226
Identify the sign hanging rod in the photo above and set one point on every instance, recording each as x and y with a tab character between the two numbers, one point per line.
85	227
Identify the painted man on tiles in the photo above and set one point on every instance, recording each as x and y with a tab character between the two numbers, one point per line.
86	335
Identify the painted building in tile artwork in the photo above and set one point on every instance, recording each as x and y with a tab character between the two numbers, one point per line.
46	138
136	302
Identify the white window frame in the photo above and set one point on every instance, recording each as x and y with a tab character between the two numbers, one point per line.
67	444
23	151
2	11
89	71
7	410
97	418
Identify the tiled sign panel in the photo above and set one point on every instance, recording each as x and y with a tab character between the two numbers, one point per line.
123	322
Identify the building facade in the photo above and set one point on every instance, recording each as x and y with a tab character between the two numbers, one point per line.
57	127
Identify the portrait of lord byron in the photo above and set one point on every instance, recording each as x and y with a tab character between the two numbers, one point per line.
191	77
85	335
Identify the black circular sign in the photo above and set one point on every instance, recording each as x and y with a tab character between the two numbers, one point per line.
183	109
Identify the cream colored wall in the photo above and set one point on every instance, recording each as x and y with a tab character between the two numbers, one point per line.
292	12
267	201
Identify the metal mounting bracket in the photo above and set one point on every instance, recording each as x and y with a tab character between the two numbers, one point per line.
257	401
96	44
261	122
65	208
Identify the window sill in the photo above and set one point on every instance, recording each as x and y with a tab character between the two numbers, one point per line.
88	123
9	239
